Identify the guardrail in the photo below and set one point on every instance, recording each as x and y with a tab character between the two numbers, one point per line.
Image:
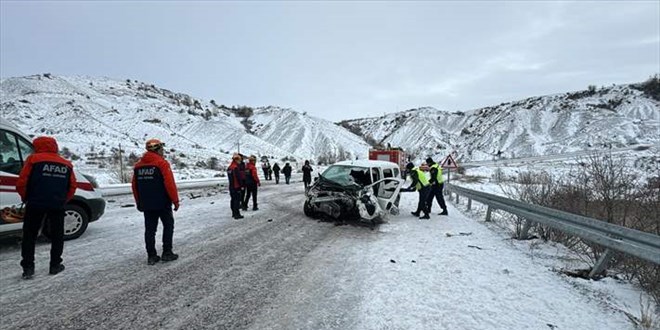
613	237
125	188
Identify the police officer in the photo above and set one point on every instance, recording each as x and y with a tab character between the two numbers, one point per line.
421	184
46	183
155	192
437	185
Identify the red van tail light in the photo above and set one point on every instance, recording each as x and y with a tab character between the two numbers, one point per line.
85	186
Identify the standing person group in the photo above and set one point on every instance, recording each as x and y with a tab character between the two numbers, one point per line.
428	188
307	174
437	185
46	183
155	192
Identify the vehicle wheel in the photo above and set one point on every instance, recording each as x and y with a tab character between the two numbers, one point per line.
75	221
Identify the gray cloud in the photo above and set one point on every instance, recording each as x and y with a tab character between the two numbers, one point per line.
340	60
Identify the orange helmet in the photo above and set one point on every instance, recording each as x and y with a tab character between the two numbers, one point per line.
237	157
154	145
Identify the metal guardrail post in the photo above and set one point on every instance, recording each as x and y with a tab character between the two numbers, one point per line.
469	206
488	212
524	233
602	263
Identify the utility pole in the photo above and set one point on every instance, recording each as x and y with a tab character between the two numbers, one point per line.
121	166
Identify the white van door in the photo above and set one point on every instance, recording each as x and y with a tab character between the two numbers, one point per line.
13	151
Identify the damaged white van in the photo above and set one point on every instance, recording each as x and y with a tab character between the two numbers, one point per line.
86	206
363	190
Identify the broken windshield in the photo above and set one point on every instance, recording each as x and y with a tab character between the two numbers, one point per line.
348	175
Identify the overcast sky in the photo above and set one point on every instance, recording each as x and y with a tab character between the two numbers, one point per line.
338	60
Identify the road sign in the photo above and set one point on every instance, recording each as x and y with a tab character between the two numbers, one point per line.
449	162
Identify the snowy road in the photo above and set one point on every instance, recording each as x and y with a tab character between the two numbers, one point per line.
294	273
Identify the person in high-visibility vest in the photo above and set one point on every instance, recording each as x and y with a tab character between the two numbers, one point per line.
437	185
422	185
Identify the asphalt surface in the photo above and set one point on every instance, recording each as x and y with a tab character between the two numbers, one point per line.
231	274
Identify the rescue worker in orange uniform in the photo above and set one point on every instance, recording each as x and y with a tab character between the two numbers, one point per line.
155	192
46	183
236	177
251	183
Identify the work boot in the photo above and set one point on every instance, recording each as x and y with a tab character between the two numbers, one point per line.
152	260
169	256
415	213
426	216
238	217
444	212
255	209
56	269
28	273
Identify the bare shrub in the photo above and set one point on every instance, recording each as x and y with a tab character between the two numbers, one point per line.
601	187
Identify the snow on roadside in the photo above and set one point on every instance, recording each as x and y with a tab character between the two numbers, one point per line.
476	280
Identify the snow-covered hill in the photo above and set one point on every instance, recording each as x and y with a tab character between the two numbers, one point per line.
615	116
311	137
91	117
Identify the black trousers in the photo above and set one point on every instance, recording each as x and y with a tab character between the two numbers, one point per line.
236	201
307	182
422	204
250	191
151	226
287	178
436	191
34	218
277	177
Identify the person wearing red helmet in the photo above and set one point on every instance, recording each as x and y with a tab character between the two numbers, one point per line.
155	191
46	183
251	183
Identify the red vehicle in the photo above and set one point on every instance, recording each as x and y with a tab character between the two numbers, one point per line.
391	154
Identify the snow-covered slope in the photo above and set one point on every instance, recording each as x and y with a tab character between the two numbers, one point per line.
305	135
616	116
92	116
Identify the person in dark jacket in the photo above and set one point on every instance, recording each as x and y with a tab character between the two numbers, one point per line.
251	183
307	174
236	176
46	183
421	184
155	192
264	168
286	170
276	170
437	185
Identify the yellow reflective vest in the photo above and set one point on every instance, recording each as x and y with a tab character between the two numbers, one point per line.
438	177
422	181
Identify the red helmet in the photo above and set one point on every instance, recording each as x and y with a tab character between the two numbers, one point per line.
154	145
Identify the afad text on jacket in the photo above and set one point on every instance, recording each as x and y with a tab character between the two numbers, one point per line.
153	183
46	180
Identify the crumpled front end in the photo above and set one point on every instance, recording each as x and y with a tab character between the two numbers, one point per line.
332	201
